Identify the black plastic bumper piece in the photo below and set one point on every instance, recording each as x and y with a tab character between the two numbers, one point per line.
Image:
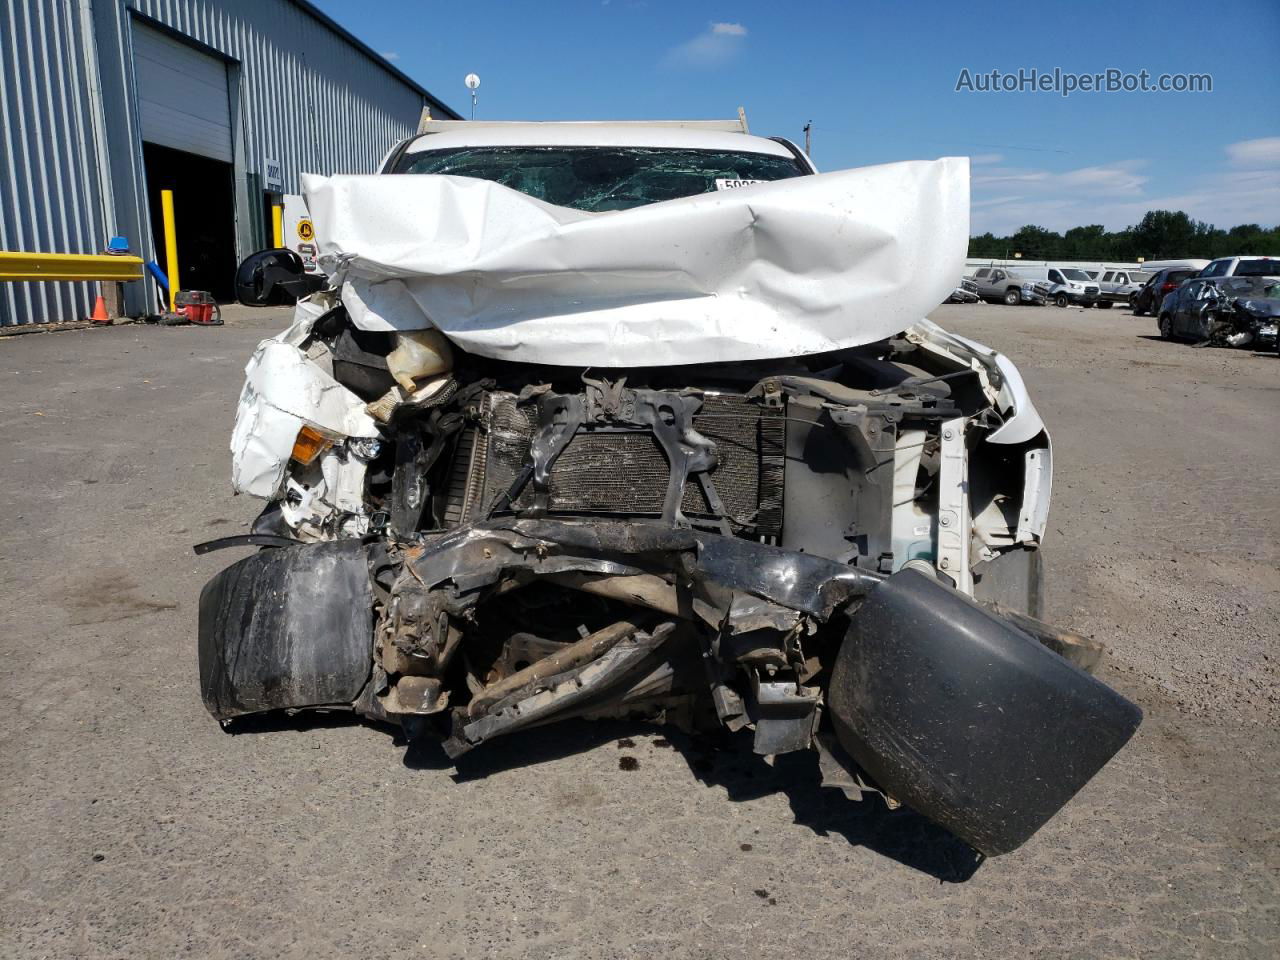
286	629
966	719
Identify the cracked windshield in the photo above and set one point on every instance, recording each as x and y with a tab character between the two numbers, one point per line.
596	179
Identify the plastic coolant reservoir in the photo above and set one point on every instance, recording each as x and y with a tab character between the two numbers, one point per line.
419	353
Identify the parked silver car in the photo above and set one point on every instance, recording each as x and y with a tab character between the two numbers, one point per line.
1000	285
1119	286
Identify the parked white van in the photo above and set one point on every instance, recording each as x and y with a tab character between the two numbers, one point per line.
1065	285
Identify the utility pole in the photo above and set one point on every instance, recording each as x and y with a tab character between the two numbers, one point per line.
807	127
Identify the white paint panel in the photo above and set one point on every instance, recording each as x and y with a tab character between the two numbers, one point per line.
779	269
182	95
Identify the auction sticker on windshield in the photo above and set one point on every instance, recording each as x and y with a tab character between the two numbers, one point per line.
724	183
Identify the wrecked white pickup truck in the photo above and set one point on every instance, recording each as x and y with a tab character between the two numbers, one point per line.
642	420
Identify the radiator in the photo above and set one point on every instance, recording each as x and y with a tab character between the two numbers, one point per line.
624	473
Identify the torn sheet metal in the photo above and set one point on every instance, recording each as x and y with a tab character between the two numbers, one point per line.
777	269
327	498
305	314
1001	380
282	391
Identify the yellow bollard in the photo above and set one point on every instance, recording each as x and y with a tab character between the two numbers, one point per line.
170	246
277	225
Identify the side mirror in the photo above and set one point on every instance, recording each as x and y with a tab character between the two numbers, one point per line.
274	276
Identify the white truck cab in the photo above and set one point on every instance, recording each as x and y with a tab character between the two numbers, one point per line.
1242	267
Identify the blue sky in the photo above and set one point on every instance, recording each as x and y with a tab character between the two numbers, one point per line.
878	82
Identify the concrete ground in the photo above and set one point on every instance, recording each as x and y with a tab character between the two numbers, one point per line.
132	826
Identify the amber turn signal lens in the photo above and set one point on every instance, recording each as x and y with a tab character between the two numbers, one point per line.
309	445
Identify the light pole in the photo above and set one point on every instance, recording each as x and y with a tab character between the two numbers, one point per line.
473	84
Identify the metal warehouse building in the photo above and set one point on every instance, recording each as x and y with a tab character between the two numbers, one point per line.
104	103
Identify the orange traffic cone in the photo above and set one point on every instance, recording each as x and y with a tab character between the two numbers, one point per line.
99	314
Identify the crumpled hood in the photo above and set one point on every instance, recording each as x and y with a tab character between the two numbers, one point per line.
777	269
1261	306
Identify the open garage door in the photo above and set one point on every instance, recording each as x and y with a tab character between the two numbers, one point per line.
183	101
184	111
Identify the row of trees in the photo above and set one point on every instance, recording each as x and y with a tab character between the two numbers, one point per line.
1162	235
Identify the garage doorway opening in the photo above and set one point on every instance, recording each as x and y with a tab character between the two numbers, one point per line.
204	214
184	116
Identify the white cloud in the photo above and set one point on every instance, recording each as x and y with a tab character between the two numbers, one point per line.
1005	198
714	47
994	201
1109	179
1254	154
1223	198
389	55
1116	179
1245	189
1012	176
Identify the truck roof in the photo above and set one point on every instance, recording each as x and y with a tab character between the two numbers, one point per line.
728	135
1155	266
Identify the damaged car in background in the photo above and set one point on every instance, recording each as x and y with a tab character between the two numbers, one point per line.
966	292
643	421
997	285
1240	311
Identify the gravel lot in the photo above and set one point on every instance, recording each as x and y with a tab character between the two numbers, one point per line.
132	826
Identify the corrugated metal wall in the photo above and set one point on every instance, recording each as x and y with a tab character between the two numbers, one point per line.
50	197
301	94
307	97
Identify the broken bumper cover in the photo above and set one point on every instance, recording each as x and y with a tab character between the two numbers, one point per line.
959	714
944	704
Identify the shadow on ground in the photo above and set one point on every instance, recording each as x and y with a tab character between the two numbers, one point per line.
716	760
727	761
